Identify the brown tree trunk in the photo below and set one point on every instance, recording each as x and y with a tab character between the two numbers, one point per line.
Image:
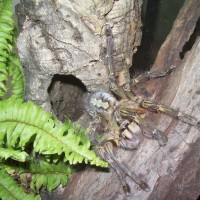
64	37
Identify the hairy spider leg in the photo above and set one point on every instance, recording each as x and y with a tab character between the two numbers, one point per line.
109	50
107	153
123	89
143	185
152	106
144	77
128	140
120	84
122	176
137	117
128	144
123	76
152	74
126	92
150	131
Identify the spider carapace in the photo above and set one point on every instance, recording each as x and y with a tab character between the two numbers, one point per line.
120	114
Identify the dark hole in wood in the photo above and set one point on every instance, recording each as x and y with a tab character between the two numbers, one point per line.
141	61
188	45
157	18
198	198
66	96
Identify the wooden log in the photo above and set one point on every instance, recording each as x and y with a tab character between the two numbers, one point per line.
67	38
172	170
46	49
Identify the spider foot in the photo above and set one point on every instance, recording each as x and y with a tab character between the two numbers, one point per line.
158	135
144	186
107	153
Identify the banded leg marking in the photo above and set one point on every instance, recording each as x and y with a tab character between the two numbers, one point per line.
122	88
150	75
129	144
171	112
129	140
109	51
154	133
109	62
106	153
122	177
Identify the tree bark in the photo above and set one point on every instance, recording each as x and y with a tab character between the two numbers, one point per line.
63	37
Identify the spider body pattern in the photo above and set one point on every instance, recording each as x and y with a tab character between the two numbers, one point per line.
119	116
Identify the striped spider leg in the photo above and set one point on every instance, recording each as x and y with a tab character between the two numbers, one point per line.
130	104
171	112
106	152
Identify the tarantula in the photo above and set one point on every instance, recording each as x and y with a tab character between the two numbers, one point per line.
120	115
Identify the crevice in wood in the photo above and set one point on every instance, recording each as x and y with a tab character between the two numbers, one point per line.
141	61
156	26
66	94
188	45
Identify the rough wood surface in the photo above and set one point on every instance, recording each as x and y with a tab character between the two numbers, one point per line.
65	38
172	170
168	171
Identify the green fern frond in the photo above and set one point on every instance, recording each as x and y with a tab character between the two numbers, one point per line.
10	190
45	174
6	41
22	123
6	153
3	77
15	72
9	62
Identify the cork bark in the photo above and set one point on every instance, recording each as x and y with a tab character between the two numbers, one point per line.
172	170
66	37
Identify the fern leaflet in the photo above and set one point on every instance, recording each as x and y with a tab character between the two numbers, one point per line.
6	41
22	123
9	62
10	190
15	73
6	153
45	174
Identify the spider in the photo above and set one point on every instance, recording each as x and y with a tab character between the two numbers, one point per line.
120	115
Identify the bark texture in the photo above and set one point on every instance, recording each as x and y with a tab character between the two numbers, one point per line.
66	37
172	170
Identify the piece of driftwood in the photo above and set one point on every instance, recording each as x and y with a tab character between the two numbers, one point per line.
65	37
